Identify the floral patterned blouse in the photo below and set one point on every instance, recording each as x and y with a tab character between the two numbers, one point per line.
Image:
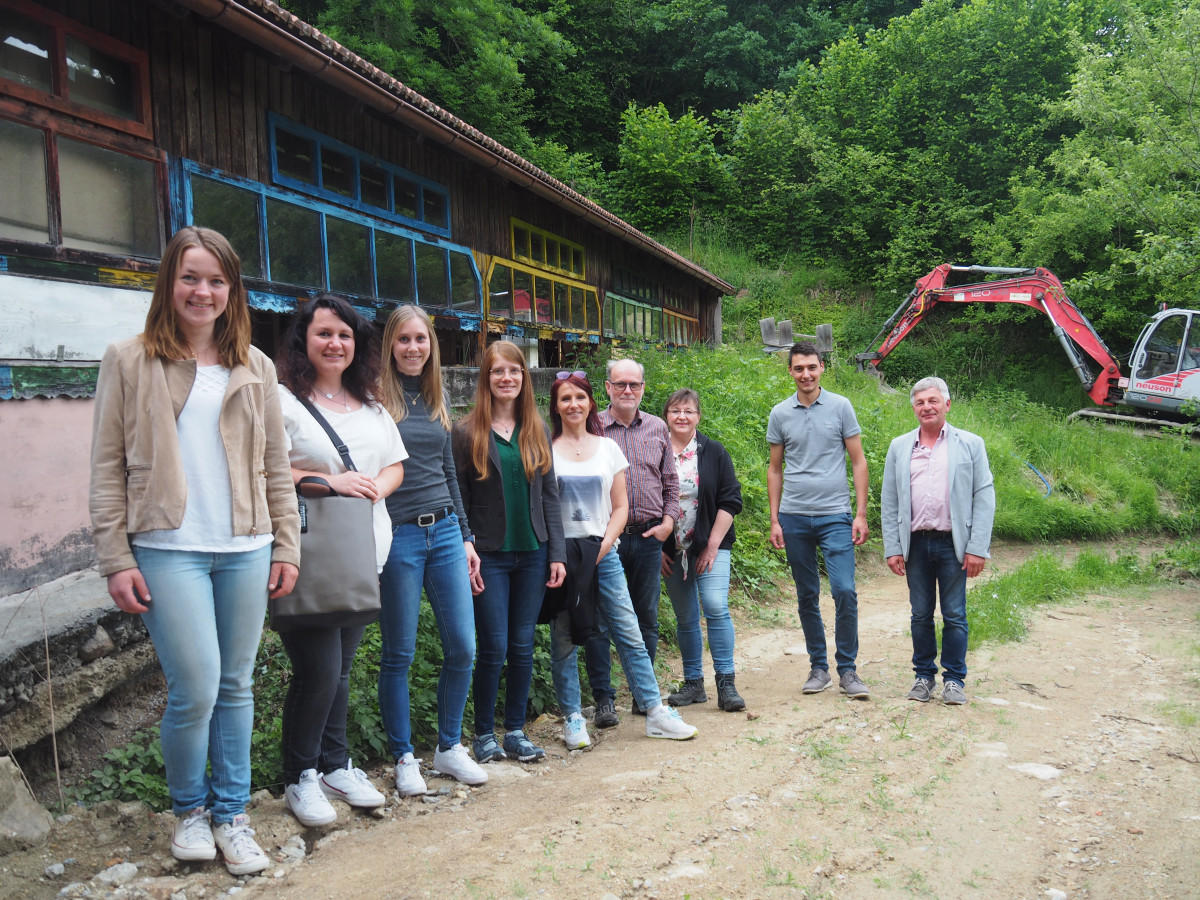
686	464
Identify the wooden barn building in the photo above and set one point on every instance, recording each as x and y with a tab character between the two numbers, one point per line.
123	120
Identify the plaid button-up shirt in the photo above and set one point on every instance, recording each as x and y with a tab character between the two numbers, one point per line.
651	479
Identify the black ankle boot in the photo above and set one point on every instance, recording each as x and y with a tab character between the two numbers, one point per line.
728	698
692	691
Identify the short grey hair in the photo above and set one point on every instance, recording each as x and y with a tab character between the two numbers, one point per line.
925	384
613	363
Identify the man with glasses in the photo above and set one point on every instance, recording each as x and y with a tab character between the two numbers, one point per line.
653	508
813	432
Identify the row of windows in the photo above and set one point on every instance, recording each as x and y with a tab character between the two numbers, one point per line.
283	240
624	317
634	285
315	164
682	331
543	248
106	201
523	295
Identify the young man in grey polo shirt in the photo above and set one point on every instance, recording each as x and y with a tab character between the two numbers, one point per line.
813	432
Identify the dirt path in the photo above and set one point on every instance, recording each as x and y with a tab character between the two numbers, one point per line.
1073	769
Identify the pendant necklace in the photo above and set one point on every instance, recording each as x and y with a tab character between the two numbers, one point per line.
342	393
412	401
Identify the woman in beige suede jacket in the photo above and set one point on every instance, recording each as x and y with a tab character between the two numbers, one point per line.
195	521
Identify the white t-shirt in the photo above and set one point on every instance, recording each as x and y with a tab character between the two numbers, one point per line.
207	525
584	489
368	433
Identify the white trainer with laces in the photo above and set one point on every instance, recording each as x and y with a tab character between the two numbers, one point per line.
575	733
665	722
409	782
193	837
236	841
353	786
457	763
307	802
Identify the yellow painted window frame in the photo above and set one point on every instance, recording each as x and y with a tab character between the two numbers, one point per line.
531	230
591	298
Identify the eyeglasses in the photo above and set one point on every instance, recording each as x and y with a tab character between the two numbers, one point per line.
563	376
683	412
623	386
514	372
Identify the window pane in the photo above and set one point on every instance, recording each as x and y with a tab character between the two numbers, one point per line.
1161	356
393	267
576	261
406	197
542	290
25	52
464	287
562	300
23	215
523	295
436	211
616	321
500	296
431	276
537	251
235	213
630	319
552	252
348	244
109	201
656	324
294	238
592	304
100	81
337	172
294	156
374	185
578	317
608	312
520	242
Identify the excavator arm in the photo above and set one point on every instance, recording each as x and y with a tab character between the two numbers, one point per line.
1037	288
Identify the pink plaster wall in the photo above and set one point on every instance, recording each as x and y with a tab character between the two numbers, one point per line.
44	451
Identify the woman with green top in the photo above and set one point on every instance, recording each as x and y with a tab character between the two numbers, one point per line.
506	477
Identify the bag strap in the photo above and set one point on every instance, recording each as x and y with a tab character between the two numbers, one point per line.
342	449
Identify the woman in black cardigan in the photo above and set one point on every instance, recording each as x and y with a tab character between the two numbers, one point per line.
506	477
696	556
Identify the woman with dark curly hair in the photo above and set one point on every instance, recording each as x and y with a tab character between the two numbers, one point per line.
331	358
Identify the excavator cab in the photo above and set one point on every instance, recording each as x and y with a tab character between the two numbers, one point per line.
1166	362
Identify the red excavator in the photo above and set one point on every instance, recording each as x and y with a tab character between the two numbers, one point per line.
1165	361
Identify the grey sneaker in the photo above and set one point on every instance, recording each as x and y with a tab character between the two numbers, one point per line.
922	690
606	715
853	687
953	694
818	680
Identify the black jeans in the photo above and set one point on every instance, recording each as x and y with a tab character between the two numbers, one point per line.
314	711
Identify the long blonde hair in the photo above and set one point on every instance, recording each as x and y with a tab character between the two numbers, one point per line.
231	332
391	391
535	449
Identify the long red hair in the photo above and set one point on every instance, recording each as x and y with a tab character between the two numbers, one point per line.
535	449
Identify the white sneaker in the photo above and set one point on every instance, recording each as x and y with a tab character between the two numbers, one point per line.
193	837
575	734
409	782
306	801
457	763
665	722
242	854
353	786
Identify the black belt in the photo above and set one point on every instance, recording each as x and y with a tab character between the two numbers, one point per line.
427	519
932	532
640	527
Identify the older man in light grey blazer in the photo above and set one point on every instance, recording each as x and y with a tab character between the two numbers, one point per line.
937	509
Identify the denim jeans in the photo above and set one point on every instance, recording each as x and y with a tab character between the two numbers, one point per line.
802	535
505	621
318	697
932	563
710	591
614	616
641	560
205	621
432	558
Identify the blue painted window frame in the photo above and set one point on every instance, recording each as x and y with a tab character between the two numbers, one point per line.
320	141
189	169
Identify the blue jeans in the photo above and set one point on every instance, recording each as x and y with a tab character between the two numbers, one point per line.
641	560
932	563
614	616
505	621
710	590
205	621
432	558
802	535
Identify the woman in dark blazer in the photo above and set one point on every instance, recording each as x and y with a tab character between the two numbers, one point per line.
696	556
506	477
